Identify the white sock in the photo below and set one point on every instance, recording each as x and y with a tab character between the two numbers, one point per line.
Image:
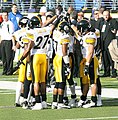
18	91
65	91
99	98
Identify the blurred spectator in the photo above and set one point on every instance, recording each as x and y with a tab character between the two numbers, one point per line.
42	12
15	16
108	32
6	30
113	49
1	20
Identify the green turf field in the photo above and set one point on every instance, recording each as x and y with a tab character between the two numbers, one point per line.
109	110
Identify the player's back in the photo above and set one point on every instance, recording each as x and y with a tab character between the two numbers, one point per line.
40	36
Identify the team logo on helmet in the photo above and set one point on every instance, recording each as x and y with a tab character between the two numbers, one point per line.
83	26
23	21
63	26
35	22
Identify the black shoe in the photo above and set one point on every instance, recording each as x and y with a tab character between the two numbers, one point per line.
17	105
113	76
4	73
9	73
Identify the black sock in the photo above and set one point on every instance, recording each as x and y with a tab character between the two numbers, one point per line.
94	99
83	97
54	98
60	98
38	100
26	88
43	97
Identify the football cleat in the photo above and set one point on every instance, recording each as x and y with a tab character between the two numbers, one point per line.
44	105
54	105
25	105
72	102
81	103
17	105
62	106
89	105
37	106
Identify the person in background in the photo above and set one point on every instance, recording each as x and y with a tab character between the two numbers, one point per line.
14	16
6	30
42	12
1	20
108	33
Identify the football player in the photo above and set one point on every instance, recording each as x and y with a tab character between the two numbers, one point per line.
38	37
61	63
17	36
89	64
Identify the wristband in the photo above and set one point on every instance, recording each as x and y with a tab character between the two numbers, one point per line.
66	59
87	63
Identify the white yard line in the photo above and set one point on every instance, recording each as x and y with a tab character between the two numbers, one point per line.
96	118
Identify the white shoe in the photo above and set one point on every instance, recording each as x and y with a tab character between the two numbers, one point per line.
44	105
54	105
62	106
37	106
89	105
81	103
99	103
21	100
72	103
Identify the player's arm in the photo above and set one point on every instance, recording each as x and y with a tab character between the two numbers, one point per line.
49	21
89	57
27	50
90	53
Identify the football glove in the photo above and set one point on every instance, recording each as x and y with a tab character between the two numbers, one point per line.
67	69
17	65
86	70
66	65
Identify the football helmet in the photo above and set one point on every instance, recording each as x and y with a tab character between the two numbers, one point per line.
63	26
23	22
83	26
34	22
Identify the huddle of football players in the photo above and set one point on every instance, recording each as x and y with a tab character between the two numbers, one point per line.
34	39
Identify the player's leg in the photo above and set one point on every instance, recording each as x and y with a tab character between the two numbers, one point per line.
20	85
37	69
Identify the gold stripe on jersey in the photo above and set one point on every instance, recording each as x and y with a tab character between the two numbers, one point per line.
63	41
25	40
90	40
30	36
39	20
